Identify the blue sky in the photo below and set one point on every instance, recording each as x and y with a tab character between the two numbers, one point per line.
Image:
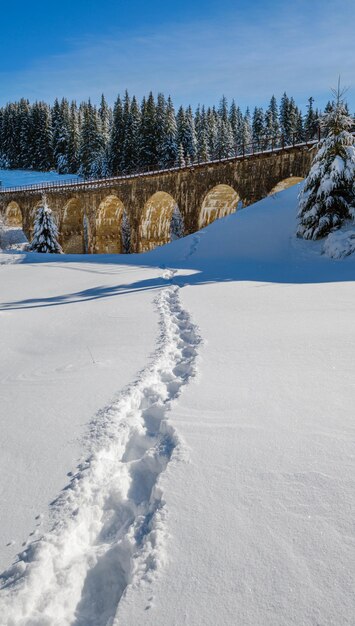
195	51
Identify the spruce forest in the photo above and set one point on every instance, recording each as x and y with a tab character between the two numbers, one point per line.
100	141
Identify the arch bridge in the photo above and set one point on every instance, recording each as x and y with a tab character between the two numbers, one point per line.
90	214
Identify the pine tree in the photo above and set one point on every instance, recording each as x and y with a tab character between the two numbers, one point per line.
92	149
286	118
45	236
60	134
24	134
212	125
180	161
201	125
116	140
74	139
224	143
246	131
272	126
160	127
169	148
131	144
328	196
190	136
311	121
258	127
148	147
41	137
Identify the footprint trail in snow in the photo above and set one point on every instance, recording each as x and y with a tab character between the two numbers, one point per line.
109	526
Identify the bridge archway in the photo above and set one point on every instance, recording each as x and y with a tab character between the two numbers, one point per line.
72	236
155	226
285	184
13	215
220	201
109	226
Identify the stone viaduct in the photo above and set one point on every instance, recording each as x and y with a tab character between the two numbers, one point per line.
89	214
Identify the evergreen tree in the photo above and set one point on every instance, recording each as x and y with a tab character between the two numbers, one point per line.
246	131
328	196
212	127
311	121
285	118
132	140
74	138
180	162
190	135
201	125
92	149
258	127
224	142
105	120
160	127
169	147
45	236
116	140
272	126
60	135
24	157
299	131
41	137
148	147
223	110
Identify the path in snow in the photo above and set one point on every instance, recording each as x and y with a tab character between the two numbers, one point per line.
109	523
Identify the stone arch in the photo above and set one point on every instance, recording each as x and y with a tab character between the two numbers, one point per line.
285	184
220	201
13	215
155	225
109	226
72	227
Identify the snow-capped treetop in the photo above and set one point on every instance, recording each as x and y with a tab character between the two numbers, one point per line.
328	196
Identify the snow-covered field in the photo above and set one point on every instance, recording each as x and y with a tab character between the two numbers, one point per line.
16	178
177	432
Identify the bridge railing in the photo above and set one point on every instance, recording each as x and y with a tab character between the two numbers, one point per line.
239	151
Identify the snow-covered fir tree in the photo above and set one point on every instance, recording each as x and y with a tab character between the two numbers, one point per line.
258	127
131	143
311	120
272	126
45	234
114	156
180	161
246	130
169	147
40	136
92	148
224	140
328	196
148	139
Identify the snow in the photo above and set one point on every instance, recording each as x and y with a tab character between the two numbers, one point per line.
17	178
340	243
216	478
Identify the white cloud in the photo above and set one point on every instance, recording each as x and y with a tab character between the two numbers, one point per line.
299	52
